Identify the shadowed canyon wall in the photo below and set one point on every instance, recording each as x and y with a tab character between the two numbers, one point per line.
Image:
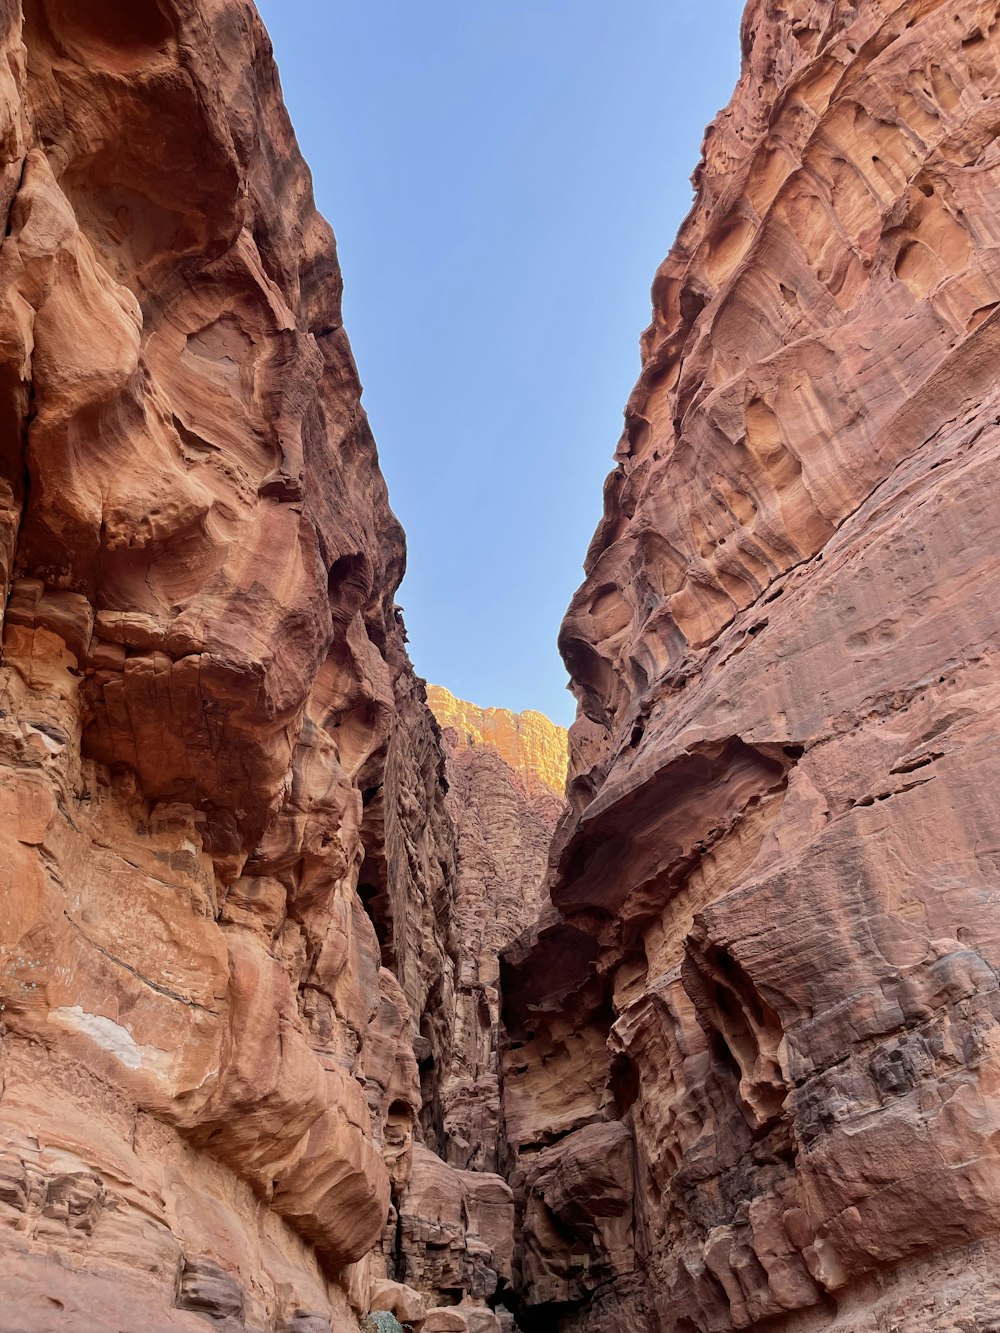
453	1233
753	1053
506	777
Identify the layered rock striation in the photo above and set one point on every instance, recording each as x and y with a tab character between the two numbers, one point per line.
210	734
452	1233
752	1068
506	775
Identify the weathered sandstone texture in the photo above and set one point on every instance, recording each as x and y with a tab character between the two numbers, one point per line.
450	1236
530	745
753	1064
506	776
226	867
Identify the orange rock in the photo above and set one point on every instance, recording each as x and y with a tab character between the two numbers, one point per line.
456	1229
772	955
528	742
446	1319
208	723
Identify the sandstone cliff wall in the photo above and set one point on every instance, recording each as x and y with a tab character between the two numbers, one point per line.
506	775
250	907
451	1234
210	734
753	1053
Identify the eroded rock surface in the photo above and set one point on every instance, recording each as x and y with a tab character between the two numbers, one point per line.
207	718
450	1237
771	963
250	913
506	776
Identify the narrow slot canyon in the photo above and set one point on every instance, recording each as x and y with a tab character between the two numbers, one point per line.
333	1003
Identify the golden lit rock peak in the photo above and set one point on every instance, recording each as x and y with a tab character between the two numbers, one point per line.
529	742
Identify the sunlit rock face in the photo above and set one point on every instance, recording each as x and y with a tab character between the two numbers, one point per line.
531	745
506	776
207	718
753	1051
451	1234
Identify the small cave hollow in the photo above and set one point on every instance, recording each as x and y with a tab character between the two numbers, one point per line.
376	905
624	1083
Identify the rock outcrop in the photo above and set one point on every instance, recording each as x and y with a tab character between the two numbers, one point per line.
506	775
450	1238
753	1054
210	734
531	746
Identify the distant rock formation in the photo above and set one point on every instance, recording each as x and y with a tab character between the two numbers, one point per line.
532	746
452	1229
753	1056
506	775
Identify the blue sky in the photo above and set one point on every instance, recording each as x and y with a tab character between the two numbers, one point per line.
503	176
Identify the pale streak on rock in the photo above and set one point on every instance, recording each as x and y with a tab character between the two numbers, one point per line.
114	1038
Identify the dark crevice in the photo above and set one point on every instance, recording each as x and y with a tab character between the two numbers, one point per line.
624	1081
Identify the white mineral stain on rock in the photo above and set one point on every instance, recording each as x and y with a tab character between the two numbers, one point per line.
114	1038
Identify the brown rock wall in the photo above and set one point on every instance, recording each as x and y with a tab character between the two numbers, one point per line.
502	769
449	1241
207	719
772	960
251	909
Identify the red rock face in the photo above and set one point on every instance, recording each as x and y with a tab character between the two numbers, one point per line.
506	775
751	1072
771	970
451	1235
207	718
